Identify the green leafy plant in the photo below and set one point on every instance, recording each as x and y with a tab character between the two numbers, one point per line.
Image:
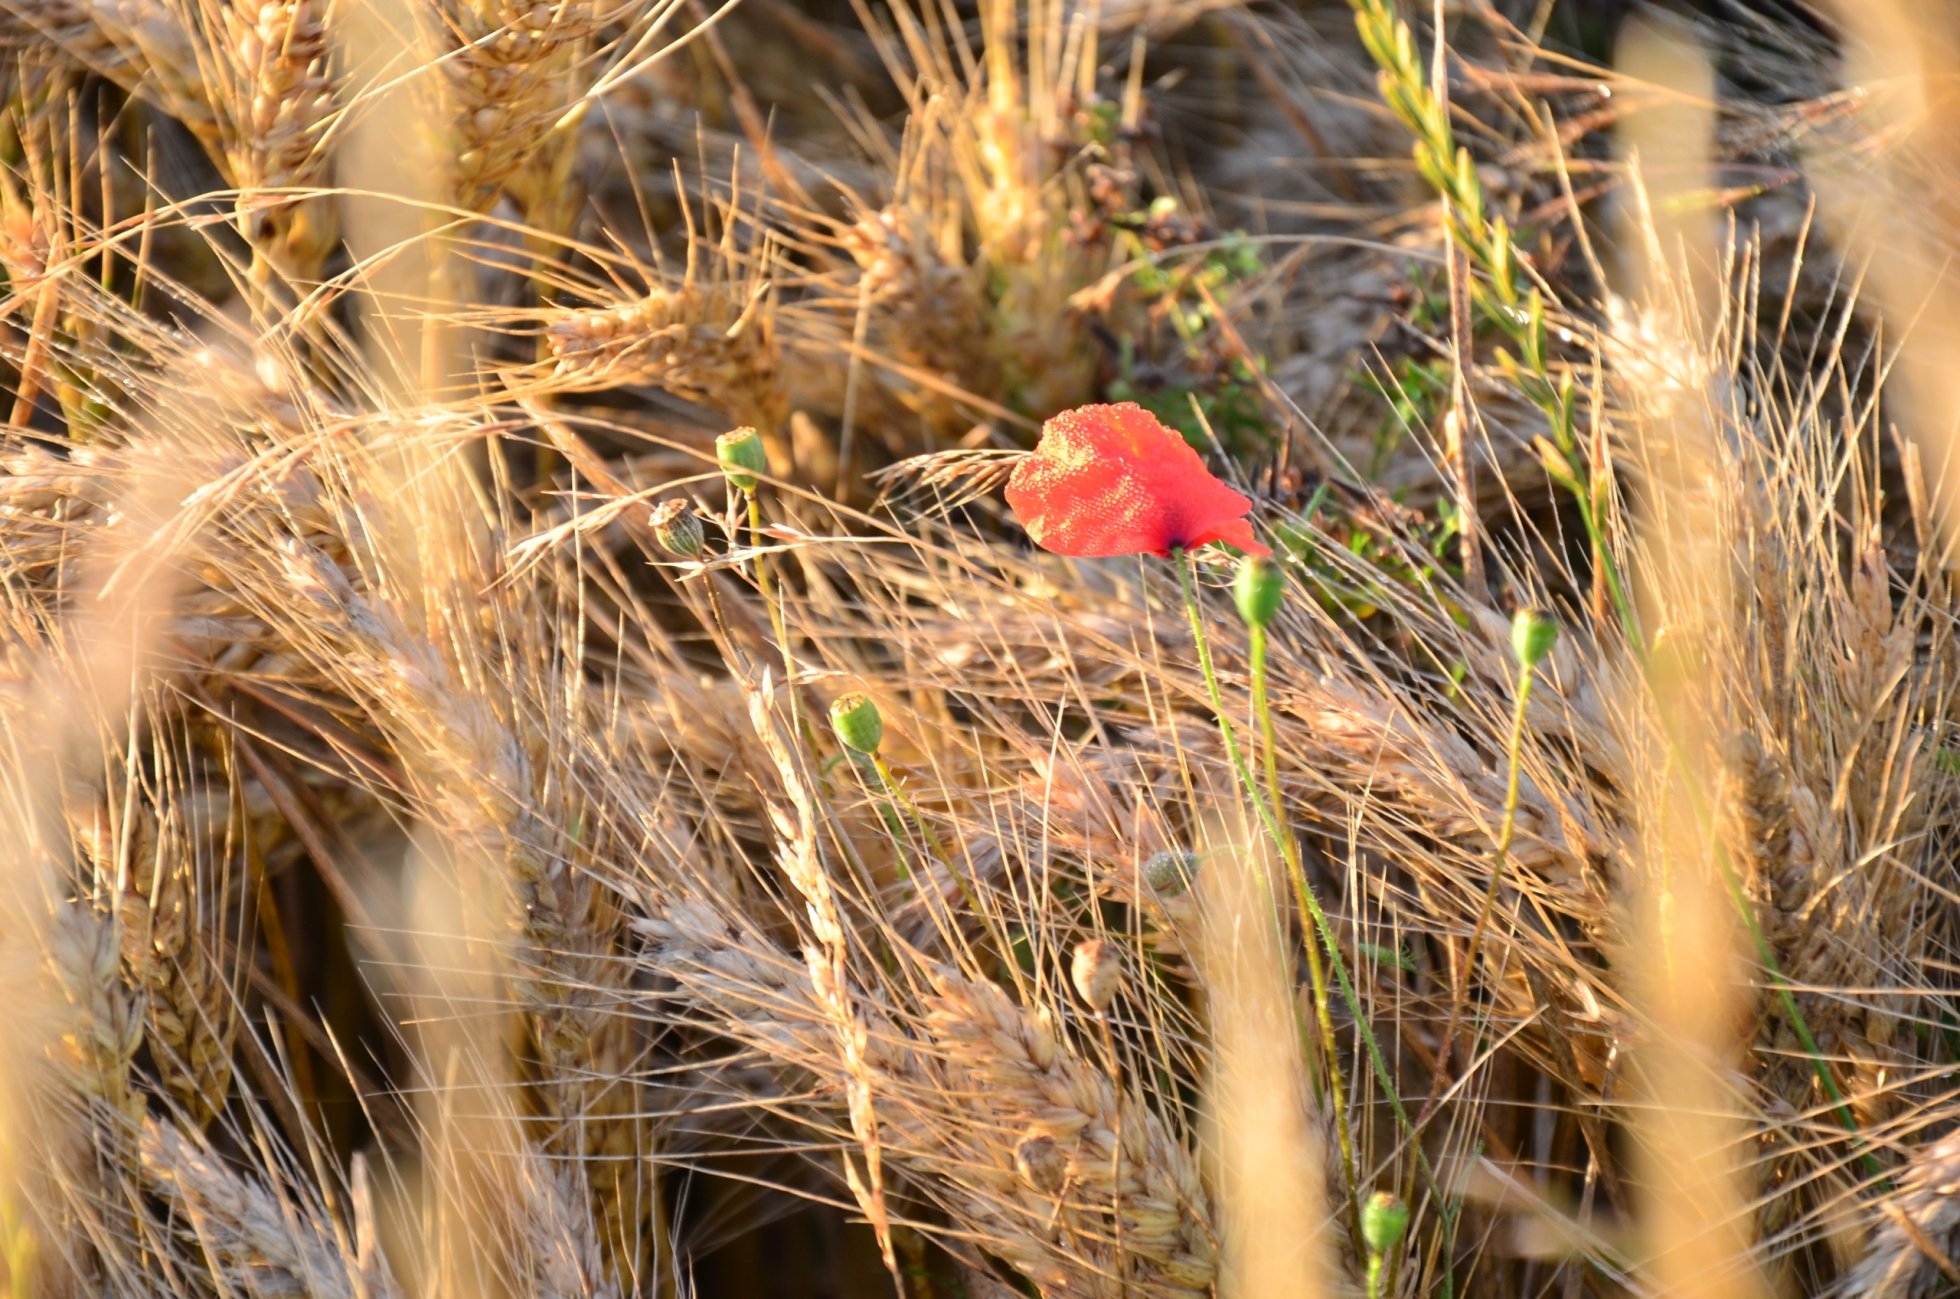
1208	389
1411	556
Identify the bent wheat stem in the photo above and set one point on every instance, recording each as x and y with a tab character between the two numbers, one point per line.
890	780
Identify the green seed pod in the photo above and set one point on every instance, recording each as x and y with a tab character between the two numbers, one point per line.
1169	871
857	723
1532	636
1258	590
742	458
678	529
1383	1220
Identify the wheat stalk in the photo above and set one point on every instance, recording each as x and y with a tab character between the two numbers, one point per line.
277	119
477	785
149	47
957	1094
251	1240
515	77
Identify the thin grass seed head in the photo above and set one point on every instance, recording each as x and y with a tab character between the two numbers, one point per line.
1258	590
742	458
1113	480
678	529
859	726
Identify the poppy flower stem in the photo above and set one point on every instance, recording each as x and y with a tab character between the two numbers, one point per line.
889	780
764	587
1186	565
1507	829
1296	870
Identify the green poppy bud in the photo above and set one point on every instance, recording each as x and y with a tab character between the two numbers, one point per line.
1169	871
678	529
1532	636
742	458
1383	1220
857	723
1258	589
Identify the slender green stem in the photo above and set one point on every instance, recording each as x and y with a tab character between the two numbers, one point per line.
1787	999
1460	994
763	585
1609	568
1316	972
894	826
1514	750
1186	567
1374	1274
889	779
899	796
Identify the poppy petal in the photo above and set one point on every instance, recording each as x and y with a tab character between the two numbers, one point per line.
1113	480
1233	532
1088	510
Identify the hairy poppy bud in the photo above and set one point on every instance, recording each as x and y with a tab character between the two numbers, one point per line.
1532	636
1258	590
1383	1220
678	529
857	723
1170	871
742	458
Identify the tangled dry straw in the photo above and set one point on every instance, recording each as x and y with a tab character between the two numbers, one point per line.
429	868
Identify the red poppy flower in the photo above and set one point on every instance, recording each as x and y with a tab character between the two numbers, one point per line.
1112	480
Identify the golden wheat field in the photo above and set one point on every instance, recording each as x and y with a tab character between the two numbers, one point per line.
636	654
